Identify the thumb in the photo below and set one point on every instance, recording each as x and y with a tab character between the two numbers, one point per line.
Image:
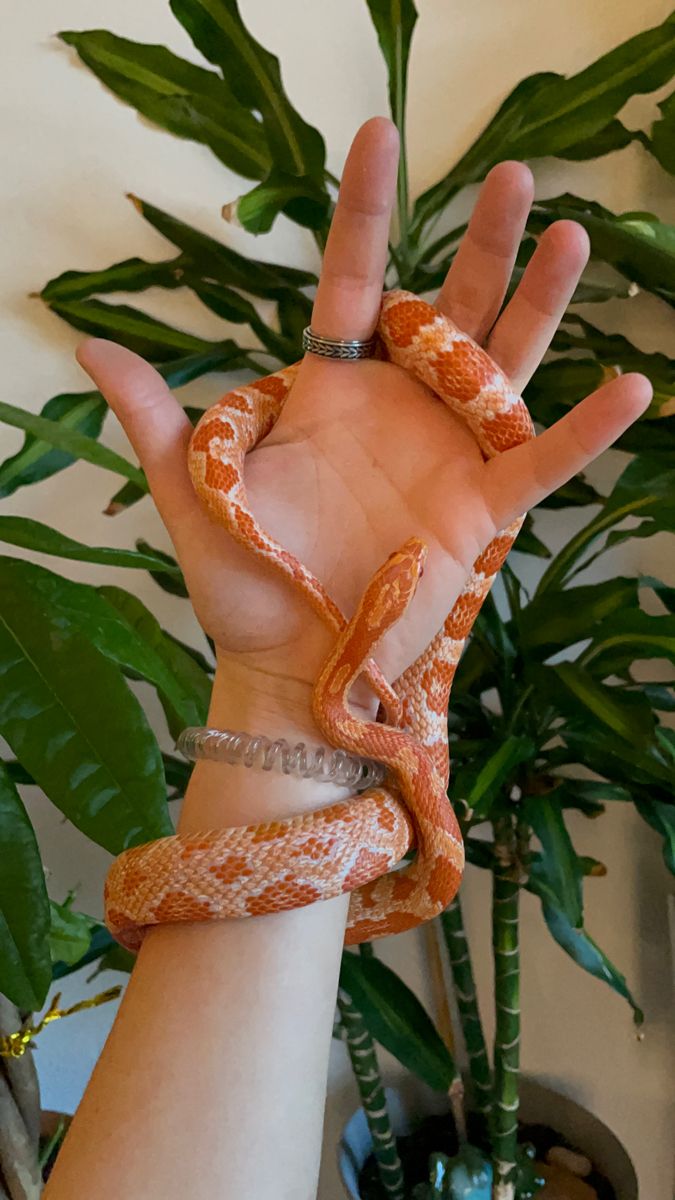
152	419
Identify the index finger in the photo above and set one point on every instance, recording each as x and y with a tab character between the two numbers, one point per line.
349	294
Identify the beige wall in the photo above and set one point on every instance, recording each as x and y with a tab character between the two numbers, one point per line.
70	153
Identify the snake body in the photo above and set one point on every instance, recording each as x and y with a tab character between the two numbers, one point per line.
352	846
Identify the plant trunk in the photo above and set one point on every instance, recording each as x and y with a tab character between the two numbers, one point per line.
452	924
504	1124
363	1057
20	1174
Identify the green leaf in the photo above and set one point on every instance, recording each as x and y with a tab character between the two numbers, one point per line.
123	630
557	872
573	117
662	143
562	618
301	199
72	721
294	310
573	494
100	942
186	99
202	661
76	444
396	1019
587	954
33	535
116	959
660	696
627	637
177	772
394	22
218	262
184	686
558	385
224	356
253	75
37	459
527	541
598	749
70	932
494	773
661	817
169	581
137	331
84	412
665	593
231	306
599	789
617	353
25	966
132	275
638	245
587	701
17	773
490	146
646	490
612	137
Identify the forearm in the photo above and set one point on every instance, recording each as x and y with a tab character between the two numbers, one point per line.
212	1082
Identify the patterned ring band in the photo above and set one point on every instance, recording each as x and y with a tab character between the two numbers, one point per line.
346	350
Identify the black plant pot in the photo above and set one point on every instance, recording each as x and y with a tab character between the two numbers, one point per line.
540	1105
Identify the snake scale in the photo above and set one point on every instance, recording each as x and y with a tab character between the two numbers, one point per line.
352	846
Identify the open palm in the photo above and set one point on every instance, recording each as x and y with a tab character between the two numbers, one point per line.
363	456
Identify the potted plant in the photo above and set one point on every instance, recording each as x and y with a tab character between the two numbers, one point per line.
532	736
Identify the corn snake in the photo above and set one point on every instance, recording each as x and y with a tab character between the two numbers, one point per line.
352	846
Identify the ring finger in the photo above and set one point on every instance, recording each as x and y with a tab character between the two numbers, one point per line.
524	330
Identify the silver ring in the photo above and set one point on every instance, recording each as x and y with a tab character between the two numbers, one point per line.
346	350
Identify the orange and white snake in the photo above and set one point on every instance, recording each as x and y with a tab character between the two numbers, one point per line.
352	846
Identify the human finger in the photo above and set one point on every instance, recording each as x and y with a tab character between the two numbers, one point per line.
152	419
527	325
349	294
476	283
523	476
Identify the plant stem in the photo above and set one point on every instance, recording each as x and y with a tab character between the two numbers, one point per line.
454	934
19	1165
441	243
21	1074
54	1141
456	1094
403	203
505	906
20	1173
363	1057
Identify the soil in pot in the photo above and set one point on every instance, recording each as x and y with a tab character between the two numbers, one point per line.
436	1134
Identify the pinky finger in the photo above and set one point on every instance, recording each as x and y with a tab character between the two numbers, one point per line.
522	477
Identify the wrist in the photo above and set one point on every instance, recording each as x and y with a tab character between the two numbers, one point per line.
248	698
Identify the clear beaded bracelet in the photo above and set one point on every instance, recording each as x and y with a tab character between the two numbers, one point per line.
255	750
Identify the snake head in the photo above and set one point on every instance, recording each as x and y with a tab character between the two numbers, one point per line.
382	604
392	588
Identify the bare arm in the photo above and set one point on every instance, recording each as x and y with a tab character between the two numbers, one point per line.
212	1081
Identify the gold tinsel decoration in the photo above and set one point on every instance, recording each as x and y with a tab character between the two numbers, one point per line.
14	1045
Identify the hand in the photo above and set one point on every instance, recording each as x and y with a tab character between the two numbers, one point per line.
364	456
